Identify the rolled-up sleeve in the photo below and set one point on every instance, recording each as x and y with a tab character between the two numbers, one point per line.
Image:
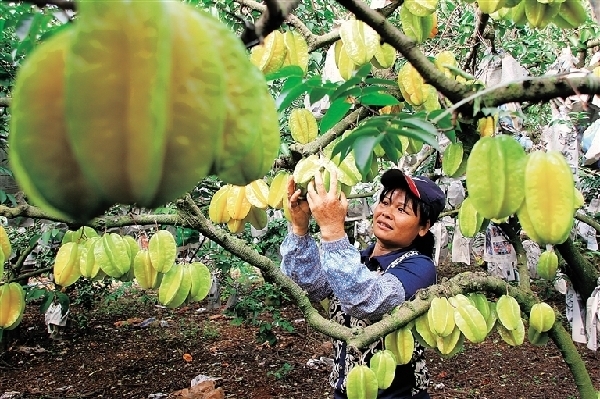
301	262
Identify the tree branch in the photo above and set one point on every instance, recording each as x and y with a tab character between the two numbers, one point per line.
563	340
542	89
5	101
475	41
31	274
582	273
588	220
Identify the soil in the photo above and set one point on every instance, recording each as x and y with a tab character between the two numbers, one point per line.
106	354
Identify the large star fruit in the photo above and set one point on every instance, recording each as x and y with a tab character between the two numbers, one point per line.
162	250
112	254
416	27
540	14
146	275
469	220
117	108
547	213
495	176
421	8
571	15
360	41
303	125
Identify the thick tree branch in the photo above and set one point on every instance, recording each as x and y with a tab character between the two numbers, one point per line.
450	88
5	101
542	89
563	340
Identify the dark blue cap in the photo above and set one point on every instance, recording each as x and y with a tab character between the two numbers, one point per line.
421	186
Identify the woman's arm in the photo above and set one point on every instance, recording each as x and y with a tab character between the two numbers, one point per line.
301	262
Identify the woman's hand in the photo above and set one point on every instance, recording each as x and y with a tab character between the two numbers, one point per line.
328	207
299	210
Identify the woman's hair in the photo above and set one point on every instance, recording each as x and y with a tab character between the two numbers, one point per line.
424	244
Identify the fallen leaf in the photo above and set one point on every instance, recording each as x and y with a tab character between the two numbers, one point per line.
187	357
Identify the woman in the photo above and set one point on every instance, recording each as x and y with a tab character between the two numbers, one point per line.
363	286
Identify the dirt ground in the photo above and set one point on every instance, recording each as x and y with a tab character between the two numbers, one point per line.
113	357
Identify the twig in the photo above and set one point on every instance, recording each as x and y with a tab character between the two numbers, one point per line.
420	160
19	264
475	41
588	220
31	274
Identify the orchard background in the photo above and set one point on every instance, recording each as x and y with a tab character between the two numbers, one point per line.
529	74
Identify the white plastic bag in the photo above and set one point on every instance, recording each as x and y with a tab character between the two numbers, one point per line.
54	317
592	319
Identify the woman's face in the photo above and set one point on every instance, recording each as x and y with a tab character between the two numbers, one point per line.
394	223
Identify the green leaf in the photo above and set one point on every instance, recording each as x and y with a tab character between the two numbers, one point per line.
289	94
337	110
284	149
46	304
378	99
445	122
343	146
451	134
392	146
64	301
35	293
363	71
33	240
344	87
314	81
363	151
318	93
286	72
419	129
